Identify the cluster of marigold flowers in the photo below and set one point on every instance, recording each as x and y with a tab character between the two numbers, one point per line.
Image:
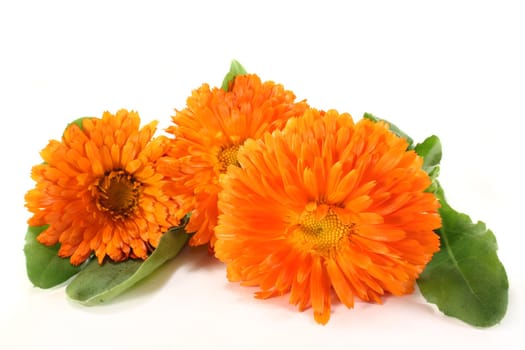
293	200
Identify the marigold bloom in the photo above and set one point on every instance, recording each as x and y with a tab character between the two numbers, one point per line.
207	135
326	206
98	190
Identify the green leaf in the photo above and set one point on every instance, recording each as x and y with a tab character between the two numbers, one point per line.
98	283
78	122
235	69
393	128
465	279
45	268
430	150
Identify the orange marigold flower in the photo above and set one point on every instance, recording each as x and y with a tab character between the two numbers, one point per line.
207	135
327	205
99	191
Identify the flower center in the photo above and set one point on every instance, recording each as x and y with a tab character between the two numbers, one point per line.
325	233
117	193
228	156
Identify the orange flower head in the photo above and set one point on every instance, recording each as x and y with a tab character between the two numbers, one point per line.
327	208
99	191
207	136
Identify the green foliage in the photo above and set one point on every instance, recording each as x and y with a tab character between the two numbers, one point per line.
465	279
393	128
430	151
45	268
98	283
235	69
78	122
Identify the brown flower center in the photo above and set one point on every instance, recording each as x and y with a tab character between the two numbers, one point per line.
117	193
228	156
325	233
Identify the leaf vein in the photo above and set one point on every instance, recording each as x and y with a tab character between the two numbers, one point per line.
455	262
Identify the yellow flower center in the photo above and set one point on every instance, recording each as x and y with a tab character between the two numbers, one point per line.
325	233
228	156
117	193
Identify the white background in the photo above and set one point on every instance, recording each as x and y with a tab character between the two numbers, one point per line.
452	68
